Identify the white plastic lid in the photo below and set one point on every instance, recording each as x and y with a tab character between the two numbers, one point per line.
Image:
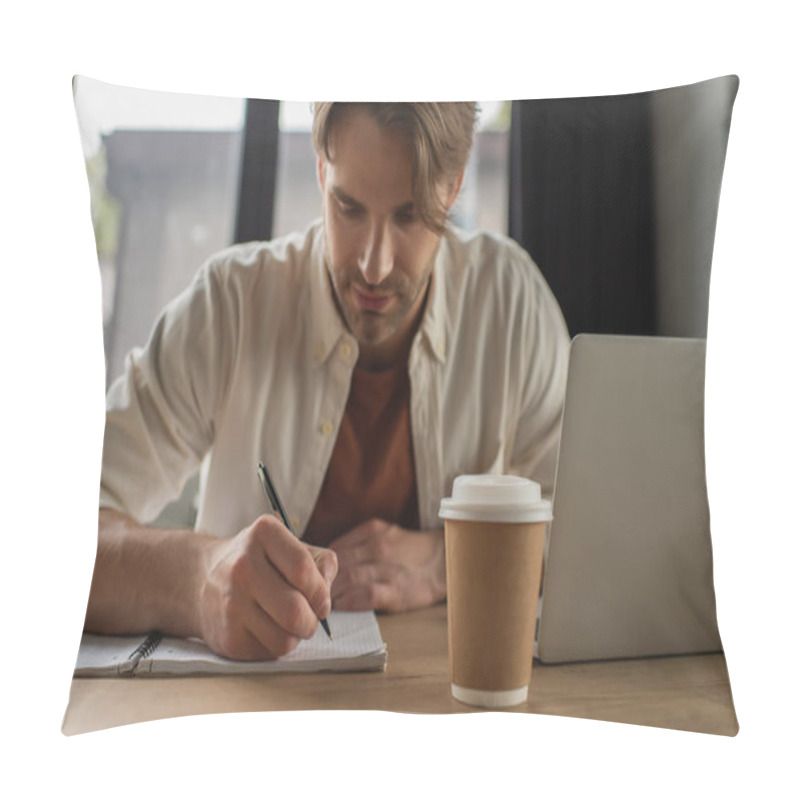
496	498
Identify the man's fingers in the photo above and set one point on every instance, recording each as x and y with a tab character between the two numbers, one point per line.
293	560
258	636
367	597
238	627
360	575
365	543
349	555
359	533
382	587
263	591
279	600
327	562
369	586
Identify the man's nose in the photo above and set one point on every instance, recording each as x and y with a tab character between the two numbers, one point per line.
377	257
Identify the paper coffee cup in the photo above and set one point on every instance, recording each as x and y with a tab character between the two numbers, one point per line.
495	527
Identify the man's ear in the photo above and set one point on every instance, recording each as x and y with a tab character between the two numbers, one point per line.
321	173
456	188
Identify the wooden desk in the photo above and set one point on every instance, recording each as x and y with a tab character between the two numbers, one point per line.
689	693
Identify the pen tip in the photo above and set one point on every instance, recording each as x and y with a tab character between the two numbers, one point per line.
326	628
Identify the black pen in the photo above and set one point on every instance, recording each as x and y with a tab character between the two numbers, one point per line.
275	503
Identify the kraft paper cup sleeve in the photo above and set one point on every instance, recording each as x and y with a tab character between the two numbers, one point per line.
493	588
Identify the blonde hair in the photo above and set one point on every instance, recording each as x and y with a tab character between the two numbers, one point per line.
440	136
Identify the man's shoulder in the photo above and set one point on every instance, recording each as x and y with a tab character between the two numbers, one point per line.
482	258
283	256
481	250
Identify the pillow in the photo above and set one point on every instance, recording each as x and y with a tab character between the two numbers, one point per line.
169	195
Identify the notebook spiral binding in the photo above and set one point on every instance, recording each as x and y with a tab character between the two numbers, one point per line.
150	643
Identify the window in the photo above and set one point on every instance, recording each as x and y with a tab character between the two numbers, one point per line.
163	172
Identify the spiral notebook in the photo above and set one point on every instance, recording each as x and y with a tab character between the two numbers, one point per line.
357	646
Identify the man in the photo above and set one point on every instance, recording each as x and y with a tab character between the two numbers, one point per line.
367	362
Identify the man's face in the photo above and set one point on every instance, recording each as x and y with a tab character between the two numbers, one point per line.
379	254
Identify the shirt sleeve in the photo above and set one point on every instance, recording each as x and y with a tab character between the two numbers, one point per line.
543	355
160	412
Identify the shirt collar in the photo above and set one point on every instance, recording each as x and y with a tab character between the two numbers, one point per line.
326	323
433	326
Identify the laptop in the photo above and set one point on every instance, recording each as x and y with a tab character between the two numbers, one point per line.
628	569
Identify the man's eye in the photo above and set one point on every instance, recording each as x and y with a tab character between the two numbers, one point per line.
349	211
405	217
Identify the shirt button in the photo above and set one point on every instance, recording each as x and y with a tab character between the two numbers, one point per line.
294	520
345	350
326	427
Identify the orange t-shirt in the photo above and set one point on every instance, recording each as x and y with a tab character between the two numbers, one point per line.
371	473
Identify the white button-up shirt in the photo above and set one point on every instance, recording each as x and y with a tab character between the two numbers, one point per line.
253	363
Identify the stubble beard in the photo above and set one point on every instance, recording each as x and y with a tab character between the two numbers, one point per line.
375	327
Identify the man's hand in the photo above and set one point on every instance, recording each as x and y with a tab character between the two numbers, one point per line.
387	568
263	591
